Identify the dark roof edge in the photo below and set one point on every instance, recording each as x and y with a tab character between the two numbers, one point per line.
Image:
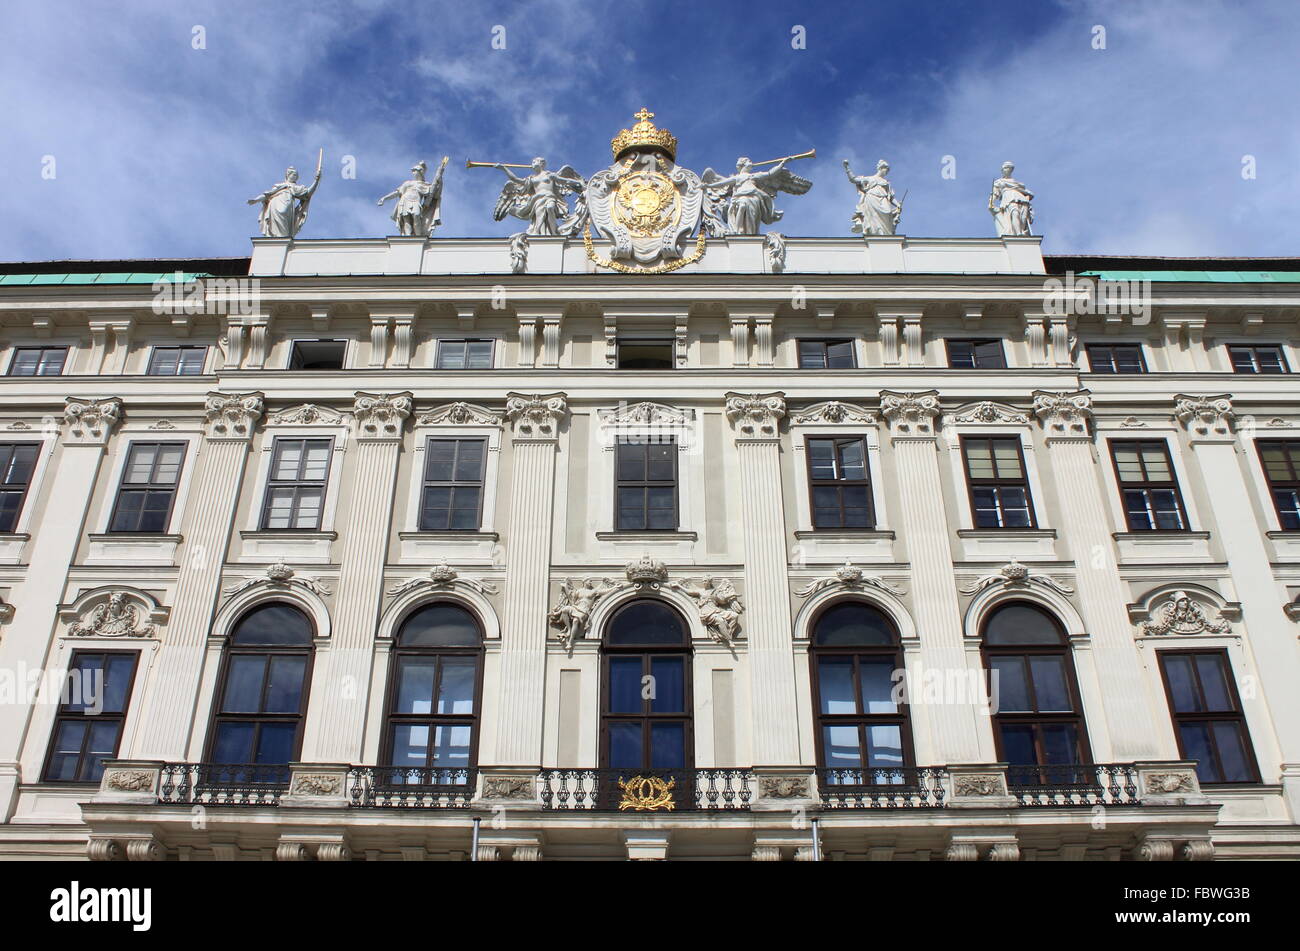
225	267
1060	263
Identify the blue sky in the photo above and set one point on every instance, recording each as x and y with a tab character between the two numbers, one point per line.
1135	148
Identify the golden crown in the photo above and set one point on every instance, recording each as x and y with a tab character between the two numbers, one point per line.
644	135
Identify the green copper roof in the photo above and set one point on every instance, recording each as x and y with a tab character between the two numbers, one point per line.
136	277
1205	277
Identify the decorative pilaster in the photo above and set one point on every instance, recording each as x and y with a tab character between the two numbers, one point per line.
1036	339
889	341
740	341
551	341
378	340
1209	424
911	418
527	341
340	684
755	419
913	343
763	348
258	328
88	424
230	419
536	421
1066	420
402	330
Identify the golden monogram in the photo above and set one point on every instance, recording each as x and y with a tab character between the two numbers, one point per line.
647	794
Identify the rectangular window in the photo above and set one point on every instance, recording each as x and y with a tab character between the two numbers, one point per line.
17	463
1116	358
92	709
1152	502
1281	461
976	354
453	485
839	483
38	361
148	488
1207	715
645	354
318	354
999	487
647	485
464	355
295	491
826	355
1253	359
177	361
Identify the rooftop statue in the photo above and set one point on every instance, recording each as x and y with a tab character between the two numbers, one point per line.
748	195
284	205
419	203
877	211
1009	203
539	198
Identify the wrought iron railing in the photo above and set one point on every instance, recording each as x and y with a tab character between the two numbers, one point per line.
411	787
223	784
1075	784
646	790
899	787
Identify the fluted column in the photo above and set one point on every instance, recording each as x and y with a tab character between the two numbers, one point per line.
1209	423
755	419
536	423
340	692
25	646
166	717
1085	525
924	527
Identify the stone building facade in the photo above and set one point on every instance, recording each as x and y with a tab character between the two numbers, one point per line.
381	550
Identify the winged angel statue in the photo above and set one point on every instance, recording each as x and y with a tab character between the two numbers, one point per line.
539	199
746	198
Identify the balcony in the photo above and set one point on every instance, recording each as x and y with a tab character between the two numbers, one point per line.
1103	784
639	791
213	784
387	787
883	788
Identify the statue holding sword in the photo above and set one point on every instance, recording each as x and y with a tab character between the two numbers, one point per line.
877	211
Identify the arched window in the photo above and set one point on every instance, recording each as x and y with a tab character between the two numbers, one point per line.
646	694
435	683
1037	716
262	695
862	732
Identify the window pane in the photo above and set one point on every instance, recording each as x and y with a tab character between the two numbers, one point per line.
669	685
839	356
979	460
1182	683
625	685
243	692
317	462
192	360
284	688
821	458
1018	744
117	680
1060	743
877	676
841	745
451	745
812	355
288	456
456	691
660	461
853	623
1050	688
102	746
480	355
415	679
275	743
667	745
884	745
440	625
1010	684
308	503
451	354
631	461
853	460
835	680
410	744
469	461
233	743
67	751
1007	458
1232	753
1214	683
625	745
439	458
1196	746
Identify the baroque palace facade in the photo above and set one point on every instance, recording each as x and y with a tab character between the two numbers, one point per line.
846	549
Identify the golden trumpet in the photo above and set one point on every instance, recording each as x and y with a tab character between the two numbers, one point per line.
811	153
469	164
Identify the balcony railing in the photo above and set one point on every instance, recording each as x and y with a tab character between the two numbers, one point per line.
1100	784
882	788
218	784
411	787
652	790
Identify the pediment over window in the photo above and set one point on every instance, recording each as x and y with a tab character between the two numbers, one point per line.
1183	610
307	414
458	414
833	412
986	411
